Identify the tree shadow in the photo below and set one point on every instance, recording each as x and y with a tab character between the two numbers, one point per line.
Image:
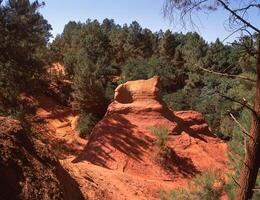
176	164
185	126
29	159
70	187
50	105
118	135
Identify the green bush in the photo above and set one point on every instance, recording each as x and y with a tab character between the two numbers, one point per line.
206	186
161	134
163	153
180	194
86	123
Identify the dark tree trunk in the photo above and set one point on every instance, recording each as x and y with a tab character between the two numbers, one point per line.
252	158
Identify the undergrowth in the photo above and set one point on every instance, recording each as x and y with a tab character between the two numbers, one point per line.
164	153
86	123
161	134
207	186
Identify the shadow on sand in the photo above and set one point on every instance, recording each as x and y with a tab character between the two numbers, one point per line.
185	126
119	135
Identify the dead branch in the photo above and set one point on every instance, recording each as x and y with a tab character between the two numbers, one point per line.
240	125
235	181
238	16
228	75
244	104
247	7
235	160
238	158
235	31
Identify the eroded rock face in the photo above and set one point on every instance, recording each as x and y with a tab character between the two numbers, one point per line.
138	91
28	170
138	97
123	141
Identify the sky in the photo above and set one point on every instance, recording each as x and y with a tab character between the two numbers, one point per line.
148	13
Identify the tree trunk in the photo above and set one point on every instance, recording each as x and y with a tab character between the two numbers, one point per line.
252	157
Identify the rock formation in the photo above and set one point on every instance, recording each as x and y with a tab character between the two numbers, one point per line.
122	140
28	170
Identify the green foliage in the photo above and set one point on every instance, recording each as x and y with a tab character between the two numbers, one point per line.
89	93
86	123
220	57
132	53
18	113
168	46
86	51
171	77
206	186
99	56
134	69
178	100
24	34
237	144
164	154
161	134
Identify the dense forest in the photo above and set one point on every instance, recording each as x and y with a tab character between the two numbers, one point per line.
98	56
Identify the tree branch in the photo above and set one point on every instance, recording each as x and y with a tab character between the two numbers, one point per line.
240	125
238	157
256	189
228	75
233	33
238	16
244	104
247	7
235	181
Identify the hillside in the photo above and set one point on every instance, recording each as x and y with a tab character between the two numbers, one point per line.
28	168
115	108
120	160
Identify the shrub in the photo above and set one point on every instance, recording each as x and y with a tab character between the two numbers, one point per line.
164	154
86	123
180	194
161	134
206	186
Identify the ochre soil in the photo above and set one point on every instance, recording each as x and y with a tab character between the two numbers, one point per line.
124	175
57	123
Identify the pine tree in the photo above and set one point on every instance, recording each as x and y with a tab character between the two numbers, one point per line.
24	34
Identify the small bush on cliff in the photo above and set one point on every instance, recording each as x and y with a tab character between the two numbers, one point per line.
164	153
86	123
161	134
206	186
